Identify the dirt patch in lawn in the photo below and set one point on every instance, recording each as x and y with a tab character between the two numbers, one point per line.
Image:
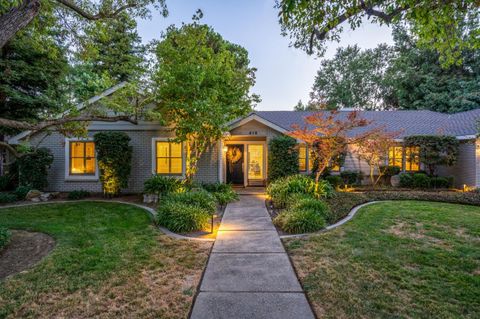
24	250
416	232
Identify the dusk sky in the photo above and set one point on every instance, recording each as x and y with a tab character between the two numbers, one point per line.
285	75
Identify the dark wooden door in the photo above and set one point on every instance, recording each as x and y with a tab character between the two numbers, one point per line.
235	159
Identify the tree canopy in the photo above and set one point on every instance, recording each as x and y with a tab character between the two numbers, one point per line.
438	25
201	83
402	76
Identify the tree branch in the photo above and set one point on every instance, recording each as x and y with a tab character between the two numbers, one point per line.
101	14
16	19
20	125
10	148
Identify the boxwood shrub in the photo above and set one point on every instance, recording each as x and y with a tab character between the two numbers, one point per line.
420	180
334	180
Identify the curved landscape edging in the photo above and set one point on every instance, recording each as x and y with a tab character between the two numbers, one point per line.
350	215
150	210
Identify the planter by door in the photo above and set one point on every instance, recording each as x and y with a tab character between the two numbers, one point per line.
235	157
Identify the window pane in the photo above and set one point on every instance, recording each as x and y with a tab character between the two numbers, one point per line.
176	149
163	149
76	149
255	161
302	164
77	166
162	166
176	166
90	166
90	149
335	168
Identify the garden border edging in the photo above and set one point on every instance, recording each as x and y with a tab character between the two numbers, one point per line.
350	215
150	210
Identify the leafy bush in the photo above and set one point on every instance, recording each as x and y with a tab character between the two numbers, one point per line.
280	190
182	217
306	202
350	177
390	170
22	191
467	198
198	198
421	180
296	221
441	182
33	168
4	182
80	194
406	180
5	236
341	203
162	185
334	180
114	155
223	193
282	157
7	198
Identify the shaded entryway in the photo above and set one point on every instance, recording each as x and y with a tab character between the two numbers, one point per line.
249	274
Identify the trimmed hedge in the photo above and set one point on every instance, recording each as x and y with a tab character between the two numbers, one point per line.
282	157
5	236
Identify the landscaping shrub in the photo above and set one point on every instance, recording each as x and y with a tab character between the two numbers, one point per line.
7	198
4	182
441	182
162	185
334	180
406	180
282	157
466	198
350	177
114	156
280	190
80	194
420	180
5	236
181	217
299	220
22	191
223	193
33	168
390	170
306	202
198	198
341	203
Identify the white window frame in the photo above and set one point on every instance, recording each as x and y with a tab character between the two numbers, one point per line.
154	156
78	177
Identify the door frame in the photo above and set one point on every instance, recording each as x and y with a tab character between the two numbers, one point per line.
245	144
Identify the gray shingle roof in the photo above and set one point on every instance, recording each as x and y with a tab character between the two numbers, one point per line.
409	122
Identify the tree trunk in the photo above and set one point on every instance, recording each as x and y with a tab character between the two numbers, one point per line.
16	19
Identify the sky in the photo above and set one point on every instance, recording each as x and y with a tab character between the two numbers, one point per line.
284	74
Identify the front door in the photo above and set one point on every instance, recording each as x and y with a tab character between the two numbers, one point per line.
235	157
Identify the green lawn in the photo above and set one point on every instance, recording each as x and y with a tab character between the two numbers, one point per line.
109	261
402	259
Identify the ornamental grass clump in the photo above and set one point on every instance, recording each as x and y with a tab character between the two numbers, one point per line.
162	185
223	193
186	212
297	220
280	190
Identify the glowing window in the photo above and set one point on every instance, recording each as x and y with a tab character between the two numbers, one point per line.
169	159
395	156
412	158
255	161
302	157
82	158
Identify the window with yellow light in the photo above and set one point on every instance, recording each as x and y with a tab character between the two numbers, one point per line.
302	157
412	158
169	159
82	158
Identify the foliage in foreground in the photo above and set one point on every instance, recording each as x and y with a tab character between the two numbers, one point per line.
33	168
280	190
78	194
426	253
7	198
163	185
223	193
102	250
5	236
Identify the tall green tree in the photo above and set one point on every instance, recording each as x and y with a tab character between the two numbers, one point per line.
438	25
353	78
202	82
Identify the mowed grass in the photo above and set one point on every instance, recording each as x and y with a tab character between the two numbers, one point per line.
109	262
402	259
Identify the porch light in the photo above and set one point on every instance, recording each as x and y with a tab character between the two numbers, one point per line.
225	149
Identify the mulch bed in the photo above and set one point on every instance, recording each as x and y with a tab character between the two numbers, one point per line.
24	250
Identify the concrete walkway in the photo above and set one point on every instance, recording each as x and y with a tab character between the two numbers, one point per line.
249	274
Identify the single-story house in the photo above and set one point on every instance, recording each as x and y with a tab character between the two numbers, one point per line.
75	166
